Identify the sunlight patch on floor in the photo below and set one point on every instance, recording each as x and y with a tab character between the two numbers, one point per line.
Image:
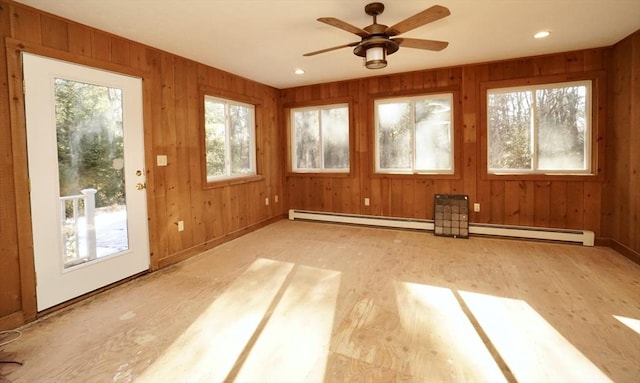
273	323
211	345
294	344
633	324
442	339
532	348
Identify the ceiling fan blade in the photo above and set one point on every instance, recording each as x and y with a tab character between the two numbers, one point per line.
332	49
431	45
429	15
344	26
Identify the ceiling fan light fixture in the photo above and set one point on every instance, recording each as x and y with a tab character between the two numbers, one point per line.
375	57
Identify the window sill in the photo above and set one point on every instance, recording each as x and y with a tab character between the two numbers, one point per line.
233	181
543	177
320	174
431	176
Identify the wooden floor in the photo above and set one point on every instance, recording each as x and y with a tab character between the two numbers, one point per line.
310	302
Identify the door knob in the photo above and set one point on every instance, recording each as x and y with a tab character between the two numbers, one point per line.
140	186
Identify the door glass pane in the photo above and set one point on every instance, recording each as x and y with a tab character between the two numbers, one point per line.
90	147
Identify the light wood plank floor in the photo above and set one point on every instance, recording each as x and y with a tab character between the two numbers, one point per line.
311	302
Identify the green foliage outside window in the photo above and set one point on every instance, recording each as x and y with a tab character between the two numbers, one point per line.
539	129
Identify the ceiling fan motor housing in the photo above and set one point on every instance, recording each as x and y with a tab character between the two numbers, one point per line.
377	37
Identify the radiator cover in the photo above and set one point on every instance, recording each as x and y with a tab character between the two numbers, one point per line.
451	215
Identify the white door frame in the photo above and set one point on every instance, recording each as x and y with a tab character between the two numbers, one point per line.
54	283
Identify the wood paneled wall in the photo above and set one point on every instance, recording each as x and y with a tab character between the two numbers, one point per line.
559	202
621	203
172	98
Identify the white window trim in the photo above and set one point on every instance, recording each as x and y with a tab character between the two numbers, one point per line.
413	170
534	130
322	169
252	140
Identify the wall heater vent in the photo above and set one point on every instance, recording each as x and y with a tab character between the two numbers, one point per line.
580	236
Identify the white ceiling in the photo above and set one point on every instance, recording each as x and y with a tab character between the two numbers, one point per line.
264	40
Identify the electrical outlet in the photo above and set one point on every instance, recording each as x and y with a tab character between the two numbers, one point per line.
366	202
476	207
266	201
180	225
275	199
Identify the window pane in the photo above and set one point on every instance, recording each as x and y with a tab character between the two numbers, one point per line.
240	139
394	136
335	138
229	139
561	128
433	134
509	130
307	139
215	137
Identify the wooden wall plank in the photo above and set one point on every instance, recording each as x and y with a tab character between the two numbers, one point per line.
79	40
156	176
542	203
168	147
512	209
193	143
558	204
100	45
25	24
421	200
527	203
408	198
575	205
593	198
120	53
497	203
54	33
183	148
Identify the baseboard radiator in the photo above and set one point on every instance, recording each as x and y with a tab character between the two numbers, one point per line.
585	237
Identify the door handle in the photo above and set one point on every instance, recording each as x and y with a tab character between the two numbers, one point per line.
140	186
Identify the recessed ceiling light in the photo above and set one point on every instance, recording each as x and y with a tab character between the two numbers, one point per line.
298	71
542	34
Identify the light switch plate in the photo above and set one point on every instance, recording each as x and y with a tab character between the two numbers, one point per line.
161	160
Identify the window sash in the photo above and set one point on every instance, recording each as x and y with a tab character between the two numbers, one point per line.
321	165
417	146
534	135
229	142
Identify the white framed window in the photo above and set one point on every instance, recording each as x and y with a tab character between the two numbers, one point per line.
320	139
230	145
414	135
540	129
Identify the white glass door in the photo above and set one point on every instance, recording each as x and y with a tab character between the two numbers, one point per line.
86	168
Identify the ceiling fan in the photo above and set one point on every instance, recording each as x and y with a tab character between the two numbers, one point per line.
377	39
